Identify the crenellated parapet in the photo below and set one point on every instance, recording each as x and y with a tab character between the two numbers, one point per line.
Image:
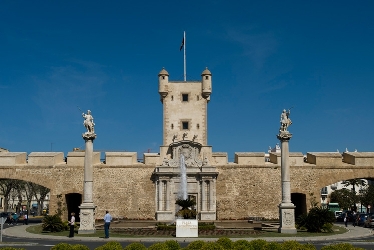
250	158
359	158
45	158
12	158
295	158
76	158
325	159
117	159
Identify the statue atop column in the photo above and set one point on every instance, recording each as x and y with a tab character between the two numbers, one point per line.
285	122
88	122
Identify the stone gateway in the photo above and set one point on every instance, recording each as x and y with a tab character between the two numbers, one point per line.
248	187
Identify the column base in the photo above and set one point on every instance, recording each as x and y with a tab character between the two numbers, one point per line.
287	231
87	224
287	218
207	215
165	216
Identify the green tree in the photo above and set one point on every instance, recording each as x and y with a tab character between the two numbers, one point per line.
344	197
6	186
367	195
40	193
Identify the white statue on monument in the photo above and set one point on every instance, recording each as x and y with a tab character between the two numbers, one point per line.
285	120
88	122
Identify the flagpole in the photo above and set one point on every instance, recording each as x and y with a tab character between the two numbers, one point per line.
184	55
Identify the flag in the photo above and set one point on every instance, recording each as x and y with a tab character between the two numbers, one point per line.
182	44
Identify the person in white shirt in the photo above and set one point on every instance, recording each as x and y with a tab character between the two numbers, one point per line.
107	220
72	224
26	219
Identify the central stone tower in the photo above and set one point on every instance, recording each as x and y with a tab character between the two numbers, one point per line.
185	133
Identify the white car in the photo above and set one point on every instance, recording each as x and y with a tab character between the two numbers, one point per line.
337	213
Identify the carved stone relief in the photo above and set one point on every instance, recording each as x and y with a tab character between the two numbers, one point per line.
190	151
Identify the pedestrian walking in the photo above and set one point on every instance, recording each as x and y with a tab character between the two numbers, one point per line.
107	220
15	218
346	220
8	219
72	224
25	219
357	219
354	218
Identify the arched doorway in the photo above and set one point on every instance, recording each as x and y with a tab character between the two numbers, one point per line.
299	200
73	201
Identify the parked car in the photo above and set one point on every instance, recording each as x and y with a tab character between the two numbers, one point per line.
361	219
4	214
369	222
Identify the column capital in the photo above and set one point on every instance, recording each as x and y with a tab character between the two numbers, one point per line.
89	136
284	136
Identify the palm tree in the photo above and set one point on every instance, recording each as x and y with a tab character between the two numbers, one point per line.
354	183
186	212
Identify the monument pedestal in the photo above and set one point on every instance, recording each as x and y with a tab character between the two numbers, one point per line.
287	218
87	224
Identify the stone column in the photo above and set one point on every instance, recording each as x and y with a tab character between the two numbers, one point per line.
203	196
211	194
87	208
160	195
167	196
286	208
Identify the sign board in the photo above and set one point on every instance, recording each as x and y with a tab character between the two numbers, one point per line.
2	220
186	228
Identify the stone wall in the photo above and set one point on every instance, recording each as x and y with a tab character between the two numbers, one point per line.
247	191
126	188
126	191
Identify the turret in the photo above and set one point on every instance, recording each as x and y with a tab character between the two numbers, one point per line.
163	79
207	83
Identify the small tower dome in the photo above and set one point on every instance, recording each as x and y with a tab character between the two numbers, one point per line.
163	80
164	72
207	83
206	72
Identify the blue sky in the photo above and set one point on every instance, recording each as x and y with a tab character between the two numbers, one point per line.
314	56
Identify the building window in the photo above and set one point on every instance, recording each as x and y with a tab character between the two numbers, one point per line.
198	97
198	126
172	126
172	98
206	77
185	97
184	125
163	77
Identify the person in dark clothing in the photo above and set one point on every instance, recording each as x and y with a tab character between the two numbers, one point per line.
346	220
